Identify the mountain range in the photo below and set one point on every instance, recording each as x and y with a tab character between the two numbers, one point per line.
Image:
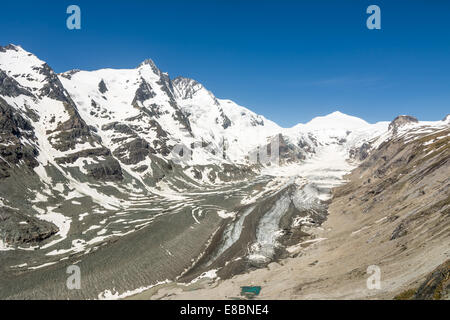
136	169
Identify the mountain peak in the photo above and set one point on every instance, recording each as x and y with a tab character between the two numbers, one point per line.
337	120
401	121
147	61
151	64
10	47
336	113
16	51
14	60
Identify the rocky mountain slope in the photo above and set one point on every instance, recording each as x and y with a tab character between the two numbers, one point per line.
78	132
136	169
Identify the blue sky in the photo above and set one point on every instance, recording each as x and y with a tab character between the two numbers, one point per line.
288	60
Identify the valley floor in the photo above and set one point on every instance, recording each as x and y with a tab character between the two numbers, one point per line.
333	267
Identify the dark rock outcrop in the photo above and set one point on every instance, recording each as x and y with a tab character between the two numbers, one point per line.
435	287
187	88
8	47
152	65
401	121
360	153
437	284
9	87
91	153
258	121
17	228
102	87
118	127
106	170
288	152
134	151
225	121
72	132
447	118
399	231
53	87
69	74
14	127
143	93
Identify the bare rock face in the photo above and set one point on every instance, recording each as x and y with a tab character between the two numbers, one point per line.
188	88
225	121
52	88
399	231
447	118
69	74
74	130
8	47
17	228
102	87
14	127
91	153
401	121
106	167
10	87
288	152
106	170
143	92
437	285
360	153
151	64
134	151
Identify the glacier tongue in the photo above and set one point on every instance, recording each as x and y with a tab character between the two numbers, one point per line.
313	180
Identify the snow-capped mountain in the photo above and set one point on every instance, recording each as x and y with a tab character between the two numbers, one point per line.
133	124
144	104
134	115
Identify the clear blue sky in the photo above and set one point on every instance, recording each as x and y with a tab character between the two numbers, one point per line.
288	60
